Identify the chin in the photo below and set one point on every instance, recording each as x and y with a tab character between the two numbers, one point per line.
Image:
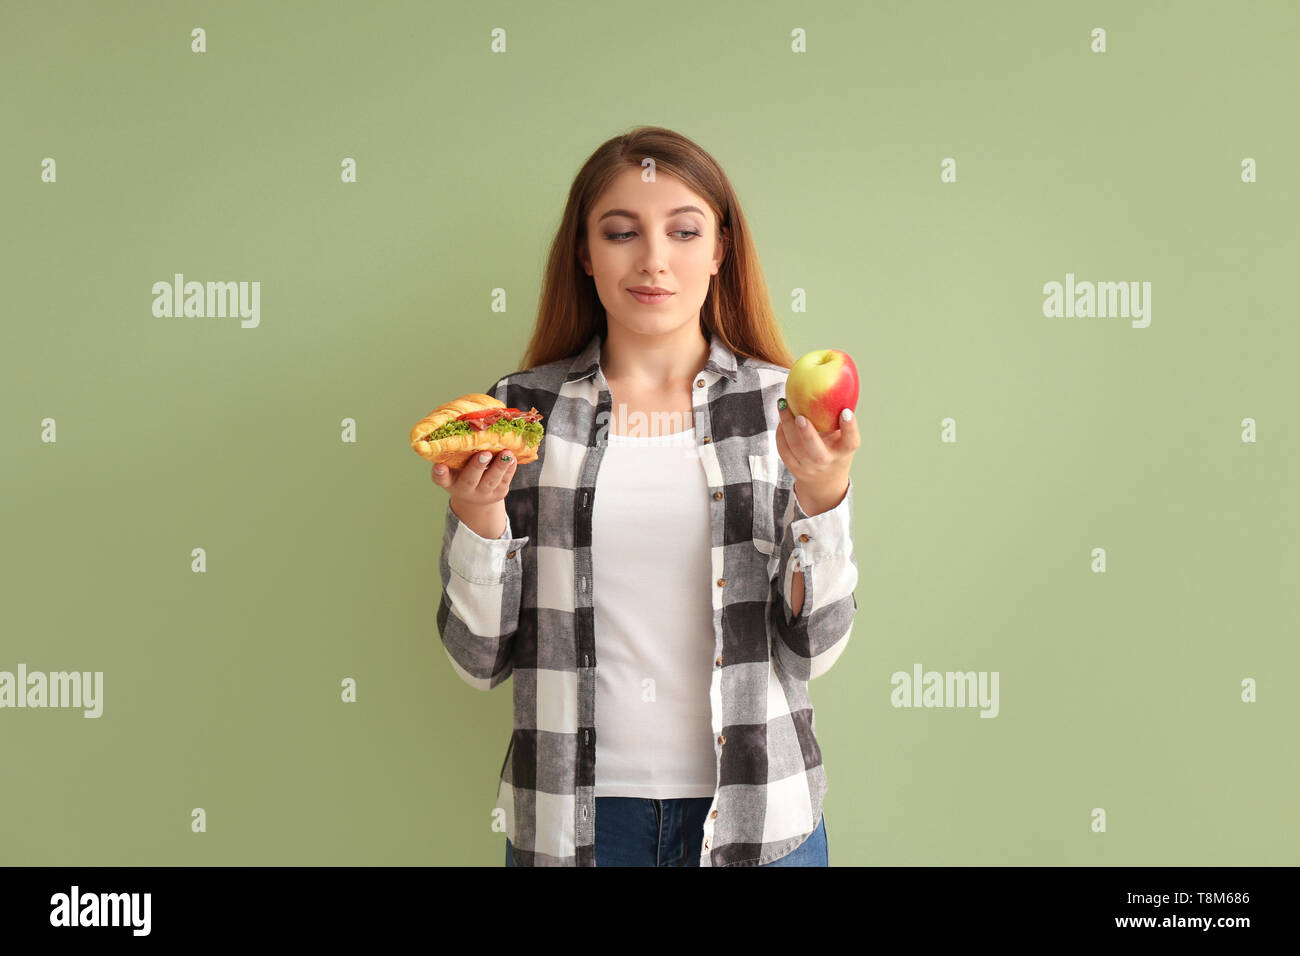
652	325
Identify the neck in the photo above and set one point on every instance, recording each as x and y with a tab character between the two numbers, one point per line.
653	361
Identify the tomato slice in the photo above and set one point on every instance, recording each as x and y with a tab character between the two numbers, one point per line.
485	412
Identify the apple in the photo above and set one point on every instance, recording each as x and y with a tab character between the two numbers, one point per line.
822	384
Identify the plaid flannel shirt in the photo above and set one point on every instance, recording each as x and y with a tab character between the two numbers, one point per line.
522	605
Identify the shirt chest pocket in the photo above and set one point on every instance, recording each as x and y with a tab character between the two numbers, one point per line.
770	486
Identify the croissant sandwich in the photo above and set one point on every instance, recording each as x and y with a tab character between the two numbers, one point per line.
451	434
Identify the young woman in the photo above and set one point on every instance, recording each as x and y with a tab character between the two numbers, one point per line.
677	564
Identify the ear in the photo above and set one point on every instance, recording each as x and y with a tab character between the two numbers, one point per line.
724	243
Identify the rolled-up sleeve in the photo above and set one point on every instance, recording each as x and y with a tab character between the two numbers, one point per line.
478	615
821	546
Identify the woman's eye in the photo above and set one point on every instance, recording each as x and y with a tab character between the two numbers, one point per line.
620	235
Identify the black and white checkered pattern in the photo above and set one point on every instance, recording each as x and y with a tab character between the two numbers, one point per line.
522	605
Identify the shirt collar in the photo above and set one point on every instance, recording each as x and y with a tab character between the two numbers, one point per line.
721	361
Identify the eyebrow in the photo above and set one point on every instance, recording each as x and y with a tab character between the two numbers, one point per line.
632	215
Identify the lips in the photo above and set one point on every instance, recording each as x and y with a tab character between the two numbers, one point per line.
650	298
650	290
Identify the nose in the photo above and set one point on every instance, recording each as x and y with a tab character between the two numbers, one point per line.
654	253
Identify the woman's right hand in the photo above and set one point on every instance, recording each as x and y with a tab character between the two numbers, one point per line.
478	483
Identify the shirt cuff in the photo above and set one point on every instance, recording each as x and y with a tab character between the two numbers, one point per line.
477	559
827	535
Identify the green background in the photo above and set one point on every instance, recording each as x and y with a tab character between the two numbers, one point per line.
1118	690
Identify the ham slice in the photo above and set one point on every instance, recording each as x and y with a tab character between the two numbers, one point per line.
482	422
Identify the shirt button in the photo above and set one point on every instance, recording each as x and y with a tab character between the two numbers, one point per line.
717	496
707	439
803	537
722	739
722	582
718	662
699	383
714	813
510	554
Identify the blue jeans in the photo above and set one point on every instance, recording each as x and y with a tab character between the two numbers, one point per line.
634	831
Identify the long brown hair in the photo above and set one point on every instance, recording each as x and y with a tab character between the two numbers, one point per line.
736	308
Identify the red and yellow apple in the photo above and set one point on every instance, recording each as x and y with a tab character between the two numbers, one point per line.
822	384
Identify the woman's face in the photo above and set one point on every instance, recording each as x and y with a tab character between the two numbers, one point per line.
639	234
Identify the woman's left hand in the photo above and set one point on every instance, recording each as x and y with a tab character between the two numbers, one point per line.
820	463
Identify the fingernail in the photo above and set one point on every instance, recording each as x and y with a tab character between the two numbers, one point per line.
780	403
506	459
802	422
486	456
439	469
847	414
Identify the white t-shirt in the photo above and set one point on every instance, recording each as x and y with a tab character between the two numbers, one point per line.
653	620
